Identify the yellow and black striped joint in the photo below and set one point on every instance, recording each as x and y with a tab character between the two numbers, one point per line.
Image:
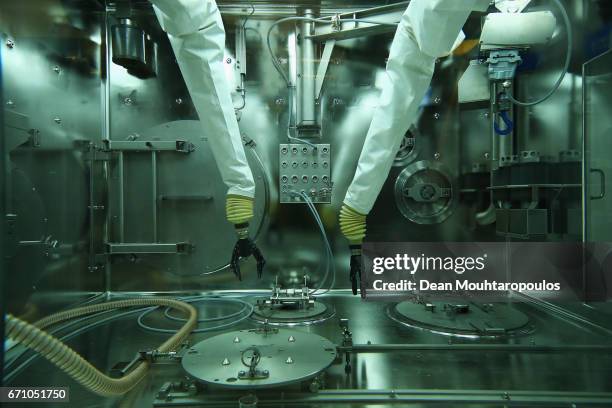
352	225
238	209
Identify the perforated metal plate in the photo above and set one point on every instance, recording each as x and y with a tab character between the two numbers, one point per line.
287	356
478	320
305	168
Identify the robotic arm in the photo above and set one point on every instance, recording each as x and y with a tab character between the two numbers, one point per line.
428	29
196	33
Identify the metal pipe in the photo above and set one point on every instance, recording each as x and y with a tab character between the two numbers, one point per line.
120	176
381	348
306	111
154	193
404	396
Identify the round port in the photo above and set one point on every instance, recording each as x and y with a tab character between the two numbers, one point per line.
305	164
284	150
315	165
325	179
284	164
325	165
315	179
294	179
304	179
294	165
325	150
284	179
304	150
294	150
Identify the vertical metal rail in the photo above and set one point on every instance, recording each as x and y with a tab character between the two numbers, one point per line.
154	193
3	221
121	188
105	95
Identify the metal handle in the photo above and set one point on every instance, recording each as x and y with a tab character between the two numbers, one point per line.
603	184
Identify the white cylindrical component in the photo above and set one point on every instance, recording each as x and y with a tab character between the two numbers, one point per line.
504	30
195	30
428	30
306	112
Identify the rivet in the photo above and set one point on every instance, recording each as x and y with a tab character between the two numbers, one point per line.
10	43
225	361
291	339
289	360
236	339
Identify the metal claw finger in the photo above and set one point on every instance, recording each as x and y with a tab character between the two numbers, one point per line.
261	262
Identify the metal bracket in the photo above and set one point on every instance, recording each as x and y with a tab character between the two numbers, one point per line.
11	241
180	146
123	248
322	69
338	29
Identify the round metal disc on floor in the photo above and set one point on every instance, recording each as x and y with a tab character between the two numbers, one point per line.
289	315
286	357
462	318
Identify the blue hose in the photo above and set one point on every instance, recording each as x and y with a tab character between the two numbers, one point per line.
507	121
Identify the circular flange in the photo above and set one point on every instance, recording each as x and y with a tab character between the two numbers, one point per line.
467	319
425	193
289	316
285	357
409	149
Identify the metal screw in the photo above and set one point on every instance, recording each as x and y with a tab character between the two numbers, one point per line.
436	115
437	156
229	60
10	103
437	100
56	69
10	43
57	120
487	155
179	101
291	339
236	339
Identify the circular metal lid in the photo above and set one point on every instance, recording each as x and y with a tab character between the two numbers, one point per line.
425	193
283	357
462	318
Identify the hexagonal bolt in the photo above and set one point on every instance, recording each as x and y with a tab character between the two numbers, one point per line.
225	362
289	360
10	43
236	339
291	339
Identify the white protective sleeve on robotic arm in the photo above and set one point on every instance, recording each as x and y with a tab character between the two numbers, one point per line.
196	33
428	29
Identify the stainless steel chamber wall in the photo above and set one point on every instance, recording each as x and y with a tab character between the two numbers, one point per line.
111	185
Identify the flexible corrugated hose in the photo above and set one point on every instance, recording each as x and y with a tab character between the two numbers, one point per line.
352	224
238	209
69	361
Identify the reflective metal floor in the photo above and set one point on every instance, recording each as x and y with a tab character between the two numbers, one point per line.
444	366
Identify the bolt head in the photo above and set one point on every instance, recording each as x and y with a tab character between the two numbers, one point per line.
437	156
10	43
